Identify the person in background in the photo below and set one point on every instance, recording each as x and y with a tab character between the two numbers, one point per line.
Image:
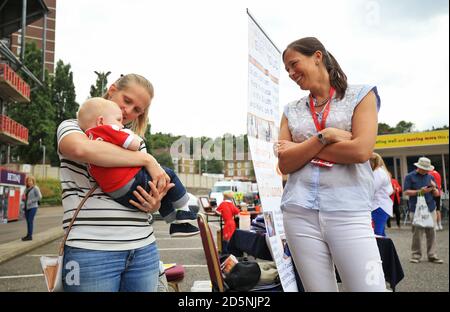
381	203
227	210
437	198
4	203
419	182
32	197
396	200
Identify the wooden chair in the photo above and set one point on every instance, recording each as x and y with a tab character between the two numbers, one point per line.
211	255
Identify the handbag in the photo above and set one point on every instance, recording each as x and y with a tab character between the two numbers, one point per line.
422	216
52	265
243	276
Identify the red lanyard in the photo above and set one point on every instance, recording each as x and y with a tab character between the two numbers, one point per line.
325	113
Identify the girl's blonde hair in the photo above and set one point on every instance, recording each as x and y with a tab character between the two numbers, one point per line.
139	125
376	161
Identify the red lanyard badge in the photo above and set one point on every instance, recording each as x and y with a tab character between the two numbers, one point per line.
317	161
325	112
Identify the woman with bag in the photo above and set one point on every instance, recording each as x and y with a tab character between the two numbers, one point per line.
326	140
31	203
421	185
110	247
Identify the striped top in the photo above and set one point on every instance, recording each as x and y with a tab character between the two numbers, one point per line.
344	187
102	223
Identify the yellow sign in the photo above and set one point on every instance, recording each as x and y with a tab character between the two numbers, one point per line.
412	139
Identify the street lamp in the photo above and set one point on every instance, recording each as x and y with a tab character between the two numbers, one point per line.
102	77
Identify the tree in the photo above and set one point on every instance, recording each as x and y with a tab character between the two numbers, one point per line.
38	115
164	159
444	127
215	166
64	98
404	127
384	128
63	93
100	84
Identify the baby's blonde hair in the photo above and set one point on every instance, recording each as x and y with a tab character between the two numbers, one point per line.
93	108
228	195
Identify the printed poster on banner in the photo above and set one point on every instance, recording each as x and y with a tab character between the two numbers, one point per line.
264	61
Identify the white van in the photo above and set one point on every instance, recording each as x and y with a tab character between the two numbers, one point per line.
224	186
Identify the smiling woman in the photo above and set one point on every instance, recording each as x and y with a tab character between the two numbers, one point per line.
105	232
134	103
326	139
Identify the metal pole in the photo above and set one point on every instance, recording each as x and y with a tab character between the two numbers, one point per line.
43	162
24	26
44	46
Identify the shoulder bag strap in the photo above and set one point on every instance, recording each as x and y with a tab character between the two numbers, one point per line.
63	242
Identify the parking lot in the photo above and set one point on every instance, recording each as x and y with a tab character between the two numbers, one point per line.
23	273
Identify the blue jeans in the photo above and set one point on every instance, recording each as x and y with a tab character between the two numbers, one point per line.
135	270
176	197
379	217
29	216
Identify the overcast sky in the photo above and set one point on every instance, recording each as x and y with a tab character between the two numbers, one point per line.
195	53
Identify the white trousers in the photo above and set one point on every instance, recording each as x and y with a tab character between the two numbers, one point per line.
319	241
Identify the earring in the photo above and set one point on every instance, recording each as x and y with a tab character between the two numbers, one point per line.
317	63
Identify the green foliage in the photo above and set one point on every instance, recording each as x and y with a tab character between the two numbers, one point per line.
160	140
159	144
63	93
38	115
51	191
164	159
50	104
444	127
100	86
214	166
64	99
404	127
384	128
401	127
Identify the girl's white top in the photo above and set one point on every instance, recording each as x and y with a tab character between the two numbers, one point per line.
383	190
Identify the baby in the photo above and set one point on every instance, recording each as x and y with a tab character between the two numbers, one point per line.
101	119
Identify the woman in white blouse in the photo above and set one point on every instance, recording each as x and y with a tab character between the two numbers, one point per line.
325	142
382	202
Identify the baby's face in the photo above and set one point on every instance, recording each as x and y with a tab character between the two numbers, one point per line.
114	117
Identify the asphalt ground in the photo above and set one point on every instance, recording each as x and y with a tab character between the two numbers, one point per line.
22	273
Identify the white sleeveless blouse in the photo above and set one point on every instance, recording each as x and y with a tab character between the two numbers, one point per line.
347	187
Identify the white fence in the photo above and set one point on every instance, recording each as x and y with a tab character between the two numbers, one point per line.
48	172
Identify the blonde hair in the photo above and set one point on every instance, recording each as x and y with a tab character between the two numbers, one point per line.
93	108
139	125
376	161
30	178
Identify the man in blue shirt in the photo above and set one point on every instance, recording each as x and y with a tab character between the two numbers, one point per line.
420	183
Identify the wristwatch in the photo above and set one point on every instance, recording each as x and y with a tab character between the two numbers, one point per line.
322	138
